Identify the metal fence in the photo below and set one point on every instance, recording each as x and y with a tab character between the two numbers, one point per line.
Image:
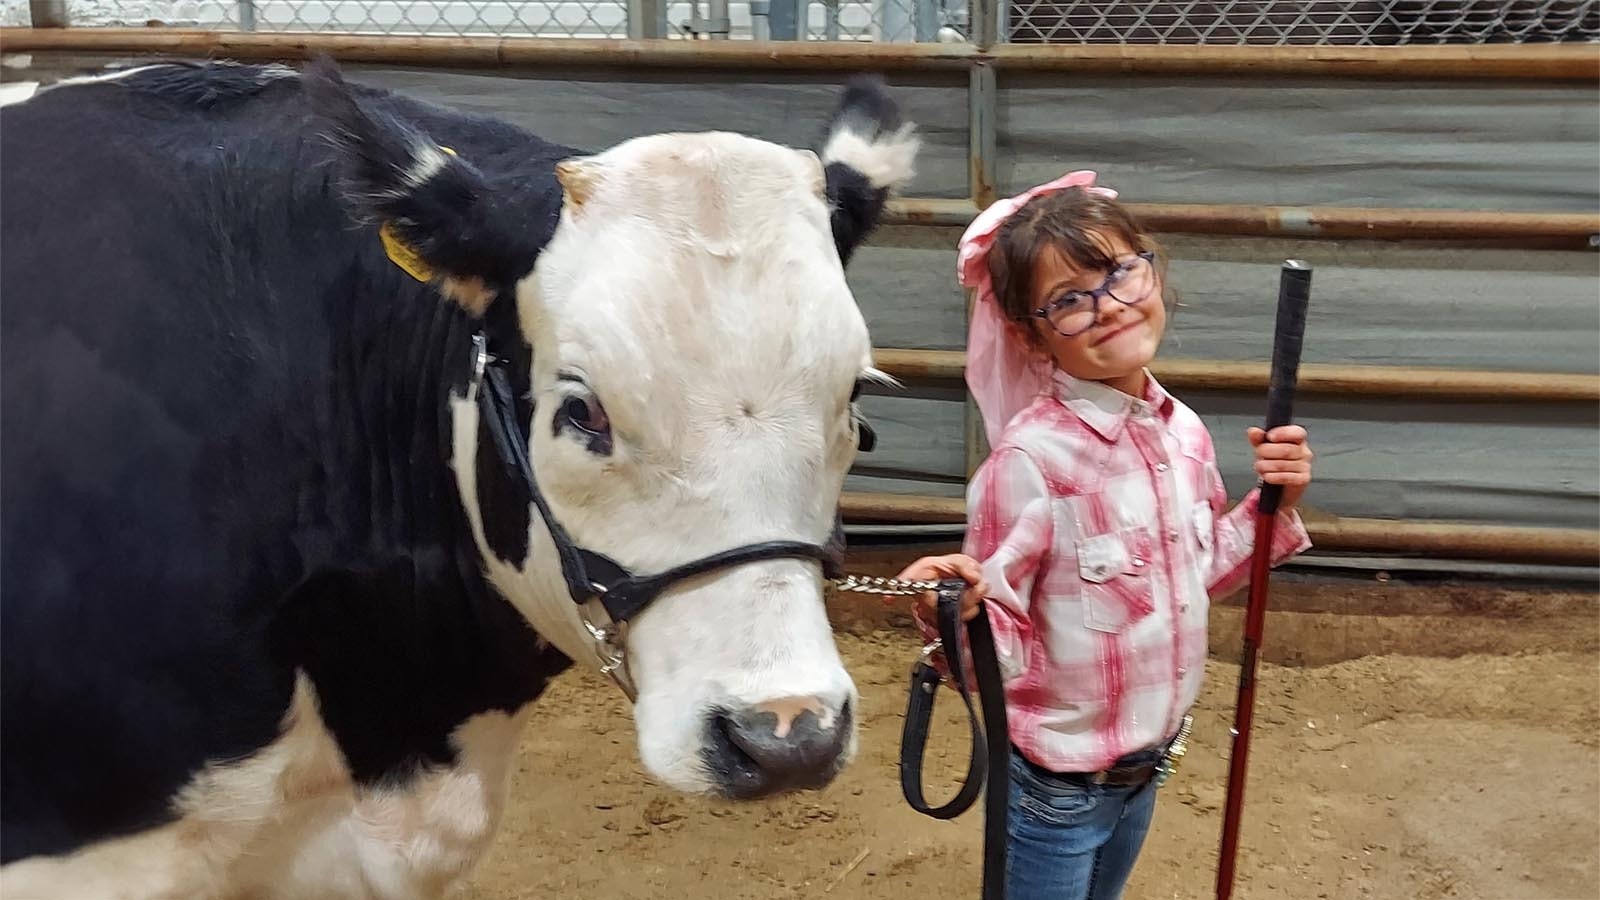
1218	22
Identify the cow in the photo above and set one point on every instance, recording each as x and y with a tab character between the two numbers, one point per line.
330	416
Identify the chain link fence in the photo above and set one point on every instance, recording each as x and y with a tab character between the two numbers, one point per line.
1301	22
1269	22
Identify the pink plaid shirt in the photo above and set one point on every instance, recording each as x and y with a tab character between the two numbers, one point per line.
1102	525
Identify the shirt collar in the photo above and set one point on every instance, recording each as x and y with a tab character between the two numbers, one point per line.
1106	409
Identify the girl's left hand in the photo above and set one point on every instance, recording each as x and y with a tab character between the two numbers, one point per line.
933	568
1284	458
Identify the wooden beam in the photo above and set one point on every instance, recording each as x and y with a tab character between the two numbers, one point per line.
1316	379
1558	231
1504	62
1390	537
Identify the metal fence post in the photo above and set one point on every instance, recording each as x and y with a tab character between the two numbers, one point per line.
982	105
247	15
718	24
646	19
784	20
760	20
925	17
48	13
985	16
982	100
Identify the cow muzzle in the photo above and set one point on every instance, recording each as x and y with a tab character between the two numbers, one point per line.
793	743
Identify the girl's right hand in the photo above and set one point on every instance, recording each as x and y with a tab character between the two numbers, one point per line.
955	565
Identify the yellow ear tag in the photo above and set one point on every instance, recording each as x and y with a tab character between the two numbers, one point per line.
401	254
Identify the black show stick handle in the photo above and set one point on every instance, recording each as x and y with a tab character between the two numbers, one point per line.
1294	295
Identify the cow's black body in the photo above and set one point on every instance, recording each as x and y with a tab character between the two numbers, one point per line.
225	454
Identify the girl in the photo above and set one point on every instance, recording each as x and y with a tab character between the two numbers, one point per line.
1097	527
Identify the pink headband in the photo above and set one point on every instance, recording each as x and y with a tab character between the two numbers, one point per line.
1003	374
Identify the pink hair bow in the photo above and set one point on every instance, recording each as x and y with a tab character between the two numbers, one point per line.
1003	374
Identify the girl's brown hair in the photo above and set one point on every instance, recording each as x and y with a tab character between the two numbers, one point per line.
1080	225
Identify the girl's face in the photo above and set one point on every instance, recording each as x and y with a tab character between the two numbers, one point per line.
1117	339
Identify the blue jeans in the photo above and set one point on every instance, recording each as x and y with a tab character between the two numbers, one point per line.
1072	841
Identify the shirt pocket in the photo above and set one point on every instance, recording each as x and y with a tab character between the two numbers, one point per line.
1114	568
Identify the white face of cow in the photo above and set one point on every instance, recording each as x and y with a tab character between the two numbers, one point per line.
695	353
696	348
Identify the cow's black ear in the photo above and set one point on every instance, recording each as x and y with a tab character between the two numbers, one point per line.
440	218
869	153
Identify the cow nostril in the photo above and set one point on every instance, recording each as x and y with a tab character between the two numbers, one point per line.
795	743
787	710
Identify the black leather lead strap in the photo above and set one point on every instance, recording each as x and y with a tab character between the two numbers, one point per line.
919	713
987	769
997	795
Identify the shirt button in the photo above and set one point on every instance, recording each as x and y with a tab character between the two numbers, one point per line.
1182	671
1172	534
1138	563
1161	467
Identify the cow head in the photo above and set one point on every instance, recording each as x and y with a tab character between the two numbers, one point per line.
696	355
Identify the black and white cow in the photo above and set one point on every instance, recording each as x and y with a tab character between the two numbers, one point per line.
274	606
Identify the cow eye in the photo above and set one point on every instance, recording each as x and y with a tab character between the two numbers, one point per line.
866	437
583	415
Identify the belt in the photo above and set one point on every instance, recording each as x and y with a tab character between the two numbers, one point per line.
1137	774
1117	776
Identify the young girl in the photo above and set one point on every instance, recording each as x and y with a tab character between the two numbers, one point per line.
1097	527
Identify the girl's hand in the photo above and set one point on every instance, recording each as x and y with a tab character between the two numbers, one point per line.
1283	457
956	565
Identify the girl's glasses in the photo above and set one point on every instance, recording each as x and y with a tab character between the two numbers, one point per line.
1074	313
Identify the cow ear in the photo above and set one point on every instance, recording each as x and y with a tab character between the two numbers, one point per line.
869	153
819	175
439	217
578	178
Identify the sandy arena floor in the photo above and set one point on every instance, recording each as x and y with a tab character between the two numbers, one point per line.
1461	773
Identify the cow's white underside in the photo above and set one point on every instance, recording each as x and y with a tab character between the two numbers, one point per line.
289	823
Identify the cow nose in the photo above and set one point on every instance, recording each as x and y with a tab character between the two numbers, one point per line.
793	743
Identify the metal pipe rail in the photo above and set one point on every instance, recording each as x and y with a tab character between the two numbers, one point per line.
1394	537
1525	230
1316	379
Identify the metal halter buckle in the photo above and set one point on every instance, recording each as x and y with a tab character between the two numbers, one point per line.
923	661
610	645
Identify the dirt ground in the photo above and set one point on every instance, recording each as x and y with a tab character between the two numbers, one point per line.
1458	758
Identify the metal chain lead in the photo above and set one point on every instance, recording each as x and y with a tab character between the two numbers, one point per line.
891	587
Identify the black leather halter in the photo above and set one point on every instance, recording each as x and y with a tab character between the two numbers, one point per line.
593	577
